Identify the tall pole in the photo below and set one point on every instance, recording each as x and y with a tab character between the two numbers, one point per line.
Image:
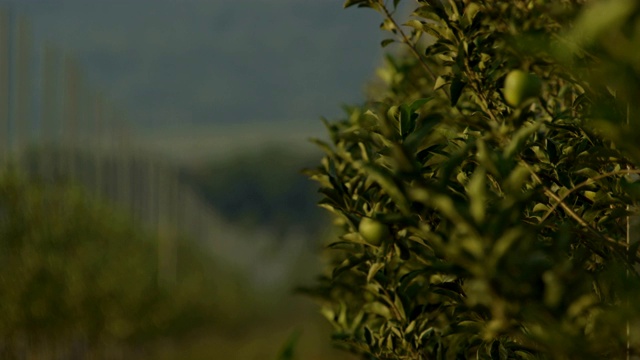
84	99
21	122
98	151
4	84
70	111
167	250
10	84
48	113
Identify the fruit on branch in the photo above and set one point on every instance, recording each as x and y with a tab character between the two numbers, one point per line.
520	86
373	231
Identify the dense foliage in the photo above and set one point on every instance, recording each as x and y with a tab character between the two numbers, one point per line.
483	217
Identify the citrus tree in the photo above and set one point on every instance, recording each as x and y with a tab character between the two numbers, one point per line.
485	193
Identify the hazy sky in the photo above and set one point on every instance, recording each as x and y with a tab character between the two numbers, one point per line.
186	62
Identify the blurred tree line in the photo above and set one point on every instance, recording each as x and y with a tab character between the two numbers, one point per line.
79	279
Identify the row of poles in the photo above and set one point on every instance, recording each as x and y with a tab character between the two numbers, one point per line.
55	127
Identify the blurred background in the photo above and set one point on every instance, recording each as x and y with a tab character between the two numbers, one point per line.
151	201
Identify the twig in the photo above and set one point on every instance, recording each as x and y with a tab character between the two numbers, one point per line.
572	213
583	184
405	39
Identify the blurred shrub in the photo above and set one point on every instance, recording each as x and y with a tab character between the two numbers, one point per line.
78	276
477	228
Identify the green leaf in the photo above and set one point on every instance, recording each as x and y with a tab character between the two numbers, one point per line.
373	270
409	329
345	245
417	104
342	316
519	140
348	264
323	145
457	85
407	278
633	251
349	3
413	23
516	180
384	43
444	203
486	157
388	25
450	289
478	194
423	128
378	308
504	243
388	184
405	253
332	197
440	82
287	352
399	306
436	7
407	120
368	335
552	151
495	350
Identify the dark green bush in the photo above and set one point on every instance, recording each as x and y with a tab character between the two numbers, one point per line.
510	230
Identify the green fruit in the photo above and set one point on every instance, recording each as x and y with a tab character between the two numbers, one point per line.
373	231
520	86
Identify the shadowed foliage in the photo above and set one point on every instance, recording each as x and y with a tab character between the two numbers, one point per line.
506	226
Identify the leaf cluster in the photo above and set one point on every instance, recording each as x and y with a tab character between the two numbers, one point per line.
509	227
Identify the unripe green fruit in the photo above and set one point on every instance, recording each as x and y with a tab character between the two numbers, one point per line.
373	231
520	86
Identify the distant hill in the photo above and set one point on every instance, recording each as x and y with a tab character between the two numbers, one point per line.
209	62
265	190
